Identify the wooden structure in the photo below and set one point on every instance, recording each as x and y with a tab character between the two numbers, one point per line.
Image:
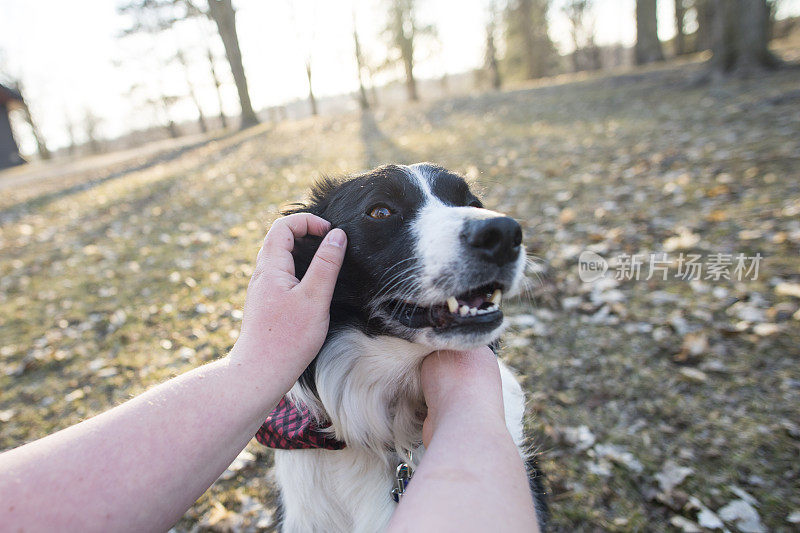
9	151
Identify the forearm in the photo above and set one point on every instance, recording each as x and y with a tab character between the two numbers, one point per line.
140	465
466	471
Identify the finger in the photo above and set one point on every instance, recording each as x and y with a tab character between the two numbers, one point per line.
320	278
285	230
279	242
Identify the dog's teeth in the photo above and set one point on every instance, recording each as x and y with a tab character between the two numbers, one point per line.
473	311
463	311
452	304
497	297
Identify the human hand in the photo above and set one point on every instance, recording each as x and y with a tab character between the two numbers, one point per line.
463	387
286	320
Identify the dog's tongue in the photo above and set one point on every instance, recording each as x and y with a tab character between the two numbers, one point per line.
472	301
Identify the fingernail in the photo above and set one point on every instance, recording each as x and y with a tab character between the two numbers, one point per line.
336	237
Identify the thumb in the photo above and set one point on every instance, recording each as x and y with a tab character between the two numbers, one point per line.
320	278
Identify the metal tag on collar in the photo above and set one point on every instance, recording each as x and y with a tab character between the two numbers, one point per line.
402	477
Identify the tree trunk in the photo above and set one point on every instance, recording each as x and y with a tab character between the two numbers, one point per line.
171	127
70	127
704	37
754	51
741	37
223	14
491	58
90	123
41	145
648	47
411	83
372	88
201	118
362	92
222	118
575	60
311	100
595	61
680	35
529	40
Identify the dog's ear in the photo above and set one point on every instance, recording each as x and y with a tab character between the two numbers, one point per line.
304	250
306	247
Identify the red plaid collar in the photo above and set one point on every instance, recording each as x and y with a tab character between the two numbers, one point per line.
291	427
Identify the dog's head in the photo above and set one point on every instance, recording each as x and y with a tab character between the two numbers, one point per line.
425	260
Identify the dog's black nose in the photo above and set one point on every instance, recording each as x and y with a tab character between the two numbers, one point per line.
495	240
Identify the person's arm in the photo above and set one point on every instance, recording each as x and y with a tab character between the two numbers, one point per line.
141	465
471	477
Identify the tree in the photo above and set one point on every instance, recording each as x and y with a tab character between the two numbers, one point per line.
648	47
217	84
741	37
159	106
704	36
362	92
70	127
529	51
41	144
312	101
152	17
224	16
91	123
403	30
491	61
680	31
586	55
305	40
201	118
159	15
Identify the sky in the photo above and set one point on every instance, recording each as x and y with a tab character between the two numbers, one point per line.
73	62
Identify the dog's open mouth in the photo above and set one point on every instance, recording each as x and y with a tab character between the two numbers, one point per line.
478	308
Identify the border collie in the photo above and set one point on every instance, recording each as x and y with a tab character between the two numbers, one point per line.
426	268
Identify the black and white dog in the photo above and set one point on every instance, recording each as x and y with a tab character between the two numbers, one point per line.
425	269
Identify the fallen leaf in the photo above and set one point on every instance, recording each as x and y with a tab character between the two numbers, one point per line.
684	524
581	437
765	329
788	289
743	515
694	344
693	374
706	517
672	475
619	455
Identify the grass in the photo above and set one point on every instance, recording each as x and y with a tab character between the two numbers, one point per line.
109	289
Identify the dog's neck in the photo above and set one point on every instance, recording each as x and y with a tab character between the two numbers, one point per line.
368	387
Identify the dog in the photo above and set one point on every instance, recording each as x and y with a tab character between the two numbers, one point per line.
426	268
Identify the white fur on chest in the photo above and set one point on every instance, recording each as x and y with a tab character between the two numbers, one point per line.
369	389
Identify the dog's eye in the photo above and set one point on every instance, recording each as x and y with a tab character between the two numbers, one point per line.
476	203
380	212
